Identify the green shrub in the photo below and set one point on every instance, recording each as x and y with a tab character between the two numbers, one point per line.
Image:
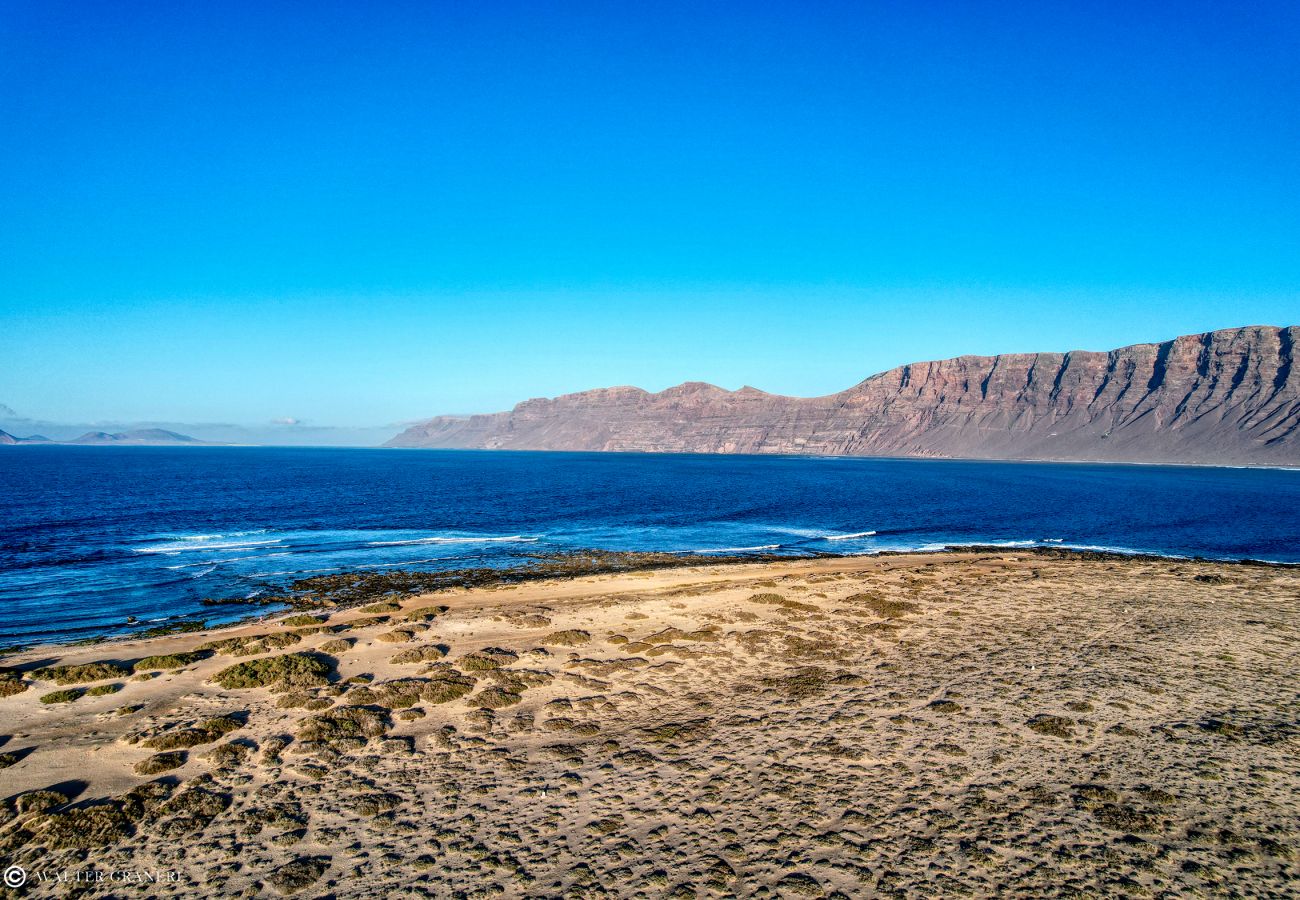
98	671
446	685
11	683
348	722
160	762
495	698
102	689
38	801
172	660
430	653
488	658
252	644
67	695
384	606
289	670
302	619
573	637
204	732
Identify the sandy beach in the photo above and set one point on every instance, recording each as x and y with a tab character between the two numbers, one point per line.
897	726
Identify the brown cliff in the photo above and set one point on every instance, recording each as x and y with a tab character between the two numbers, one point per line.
1228	397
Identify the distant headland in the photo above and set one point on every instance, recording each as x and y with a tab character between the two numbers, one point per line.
1229	397
141	437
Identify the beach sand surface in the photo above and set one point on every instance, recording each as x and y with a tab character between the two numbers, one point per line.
923	725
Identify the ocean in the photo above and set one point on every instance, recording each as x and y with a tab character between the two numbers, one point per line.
92	535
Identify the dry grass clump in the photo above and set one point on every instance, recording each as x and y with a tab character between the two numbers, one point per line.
486	659
519	680
1052	726
400	693
83	827
171	660
38	801
356	722
396	636
228	755
562	723
496	698
669	635
298	873
11	683
67	695
1126	819
252	644
286	671
426	613
800	885
303	619
677	731
781	602
886	609
161	762
430	653
384	606
204	732
98	671
446	684
573	637
338	645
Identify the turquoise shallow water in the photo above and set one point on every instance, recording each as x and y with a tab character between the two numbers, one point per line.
93	535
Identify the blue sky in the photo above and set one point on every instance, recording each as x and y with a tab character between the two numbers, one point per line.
361	214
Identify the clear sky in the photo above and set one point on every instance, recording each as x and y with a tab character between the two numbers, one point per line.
364	213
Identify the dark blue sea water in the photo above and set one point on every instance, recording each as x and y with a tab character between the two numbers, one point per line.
91	535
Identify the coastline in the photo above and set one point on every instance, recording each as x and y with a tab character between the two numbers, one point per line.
585	713
774	455
342	591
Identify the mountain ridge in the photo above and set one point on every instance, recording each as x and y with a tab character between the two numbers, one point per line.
139	437
1227	397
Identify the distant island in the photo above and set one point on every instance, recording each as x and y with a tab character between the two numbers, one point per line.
142	437
1229	397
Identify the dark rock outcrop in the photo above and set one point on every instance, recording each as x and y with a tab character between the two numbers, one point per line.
1228	397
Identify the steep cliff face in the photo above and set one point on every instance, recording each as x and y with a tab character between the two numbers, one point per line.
1228	397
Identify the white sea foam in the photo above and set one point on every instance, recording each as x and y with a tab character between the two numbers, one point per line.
738	549
849	537
487	539
203	548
